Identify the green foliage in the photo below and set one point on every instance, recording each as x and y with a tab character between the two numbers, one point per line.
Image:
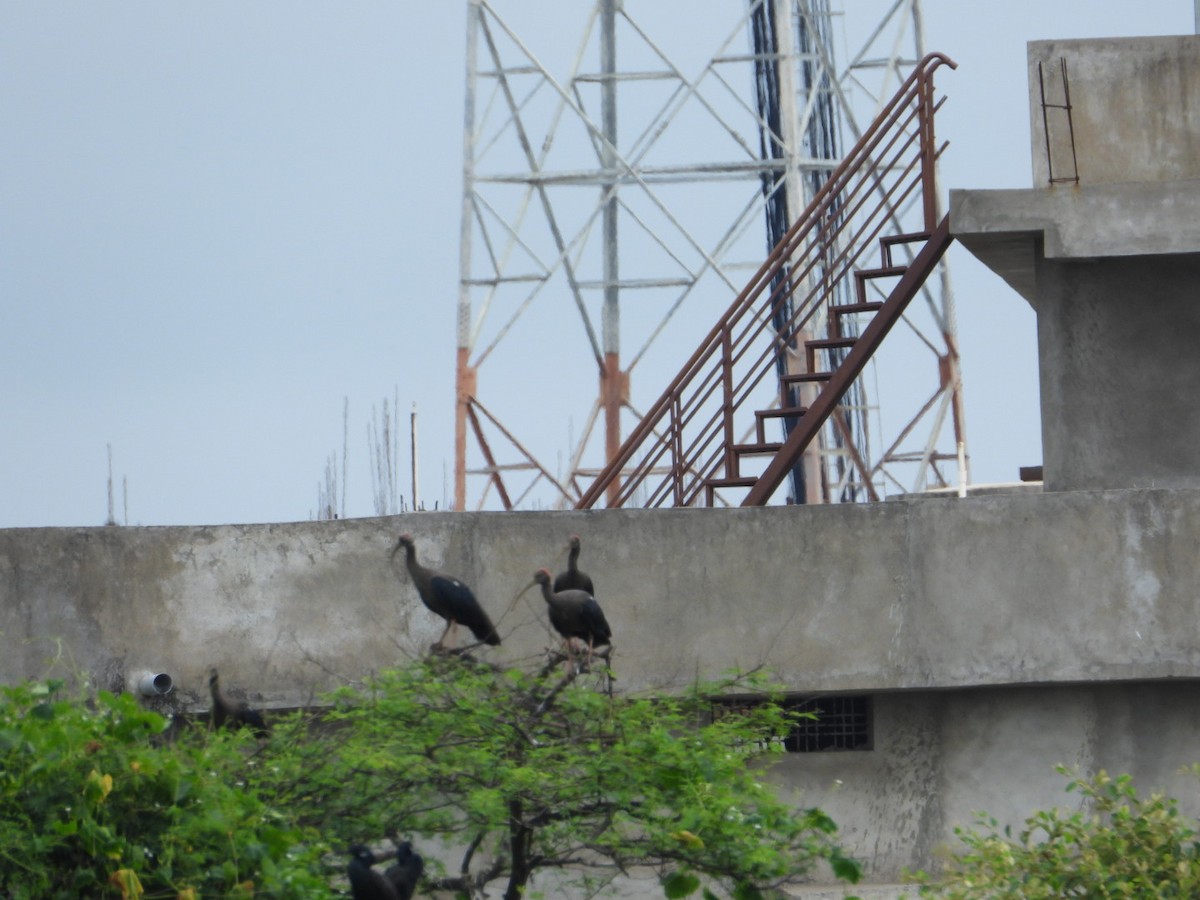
94	802
1121	846
521	771
529	771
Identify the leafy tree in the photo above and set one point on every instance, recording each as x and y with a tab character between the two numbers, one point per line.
1122	846
533	771
94	801
521	771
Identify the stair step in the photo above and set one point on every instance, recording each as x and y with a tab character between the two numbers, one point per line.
790	412
751	449
740	481
846	309
828	343
887	243
805	377
883	272
784	412
811	348
861	276
713	484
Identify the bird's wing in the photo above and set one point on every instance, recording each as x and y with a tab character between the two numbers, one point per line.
454	592
386	890
368	884
462	606
405	874
559	619
593	618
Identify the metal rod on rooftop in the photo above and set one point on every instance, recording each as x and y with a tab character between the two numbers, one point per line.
464	387
610	376
416	497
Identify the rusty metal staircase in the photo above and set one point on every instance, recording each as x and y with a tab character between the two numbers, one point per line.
685	450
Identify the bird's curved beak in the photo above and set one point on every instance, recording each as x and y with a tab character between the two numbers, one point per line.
522	593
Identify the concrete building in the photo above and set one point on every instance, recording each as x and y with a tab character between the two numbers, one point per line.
964	646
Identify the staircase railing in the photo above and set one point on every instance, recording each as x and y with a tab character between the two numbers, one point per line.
685	446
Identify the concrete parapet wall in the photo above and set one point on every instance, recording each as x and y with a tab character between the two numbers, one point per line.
1134	115
1027	589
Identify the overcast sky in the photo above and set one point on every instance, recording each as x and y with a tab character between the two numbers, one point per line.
218	220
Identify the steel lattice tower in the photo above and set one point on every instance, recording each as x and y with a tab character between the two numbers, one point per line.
618	171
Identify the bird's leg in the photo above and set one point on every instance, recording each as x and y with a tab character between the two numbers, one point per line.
437	645
591	645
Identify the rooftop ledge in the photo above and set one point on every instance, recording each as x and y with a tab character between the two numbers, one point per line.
1004	229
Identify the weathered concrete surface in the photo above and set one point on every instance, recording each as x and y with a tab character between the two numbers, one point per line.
941	757
1010	231
1035	588
1117	342
1109	264
1111	272
1090	596
1134	111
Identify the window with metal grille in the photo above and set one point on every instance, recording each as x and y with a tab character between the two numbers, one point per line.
840	723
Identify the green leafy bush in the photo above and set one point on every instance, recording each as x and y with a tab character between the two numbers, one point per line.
93	800
530	771
522	771
1120	846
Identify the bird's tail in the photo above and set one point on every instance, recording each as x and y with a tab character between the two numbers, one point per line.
486	632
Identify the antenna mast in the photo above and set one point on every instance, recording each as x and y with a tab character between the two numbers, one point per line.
617	174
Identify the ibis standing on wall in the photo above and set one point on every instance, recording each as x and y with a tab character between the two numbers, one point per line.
446	596
574	614
573	579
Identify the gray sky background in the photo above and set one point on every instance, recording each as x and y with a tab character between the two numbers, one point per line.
218	220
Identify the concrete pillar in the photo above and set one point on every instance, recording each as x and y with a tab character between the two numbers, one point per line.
1111	261
1119	348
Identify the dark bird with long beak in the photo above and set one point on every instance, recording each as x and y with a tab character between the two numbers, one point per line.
233	714
574	614
365	882
573	579
406	871
446	596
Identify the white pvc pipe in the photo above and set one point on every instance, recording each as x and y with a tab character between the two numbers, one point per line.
155	684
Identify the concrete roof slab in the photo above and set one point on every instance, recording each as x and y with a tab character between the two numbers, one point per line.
1008	230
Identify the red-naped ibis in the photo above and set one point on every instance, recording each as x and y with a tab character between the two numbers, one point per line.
574	614
406	871
365	882
398	881
573	579
446	596
232	714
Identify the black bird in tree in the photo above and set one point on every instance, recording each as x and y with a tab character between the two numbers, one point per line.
232	714
575	614
573	579
398	881
365	882
406	871
446	596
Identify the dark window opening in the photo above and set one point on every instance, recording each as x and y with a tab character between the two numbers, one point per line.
832	723
841	723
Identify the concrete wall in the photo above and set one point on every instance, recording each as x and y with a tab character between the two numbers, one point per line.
997	635
1134	109
941	757
1043	588
1114	410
